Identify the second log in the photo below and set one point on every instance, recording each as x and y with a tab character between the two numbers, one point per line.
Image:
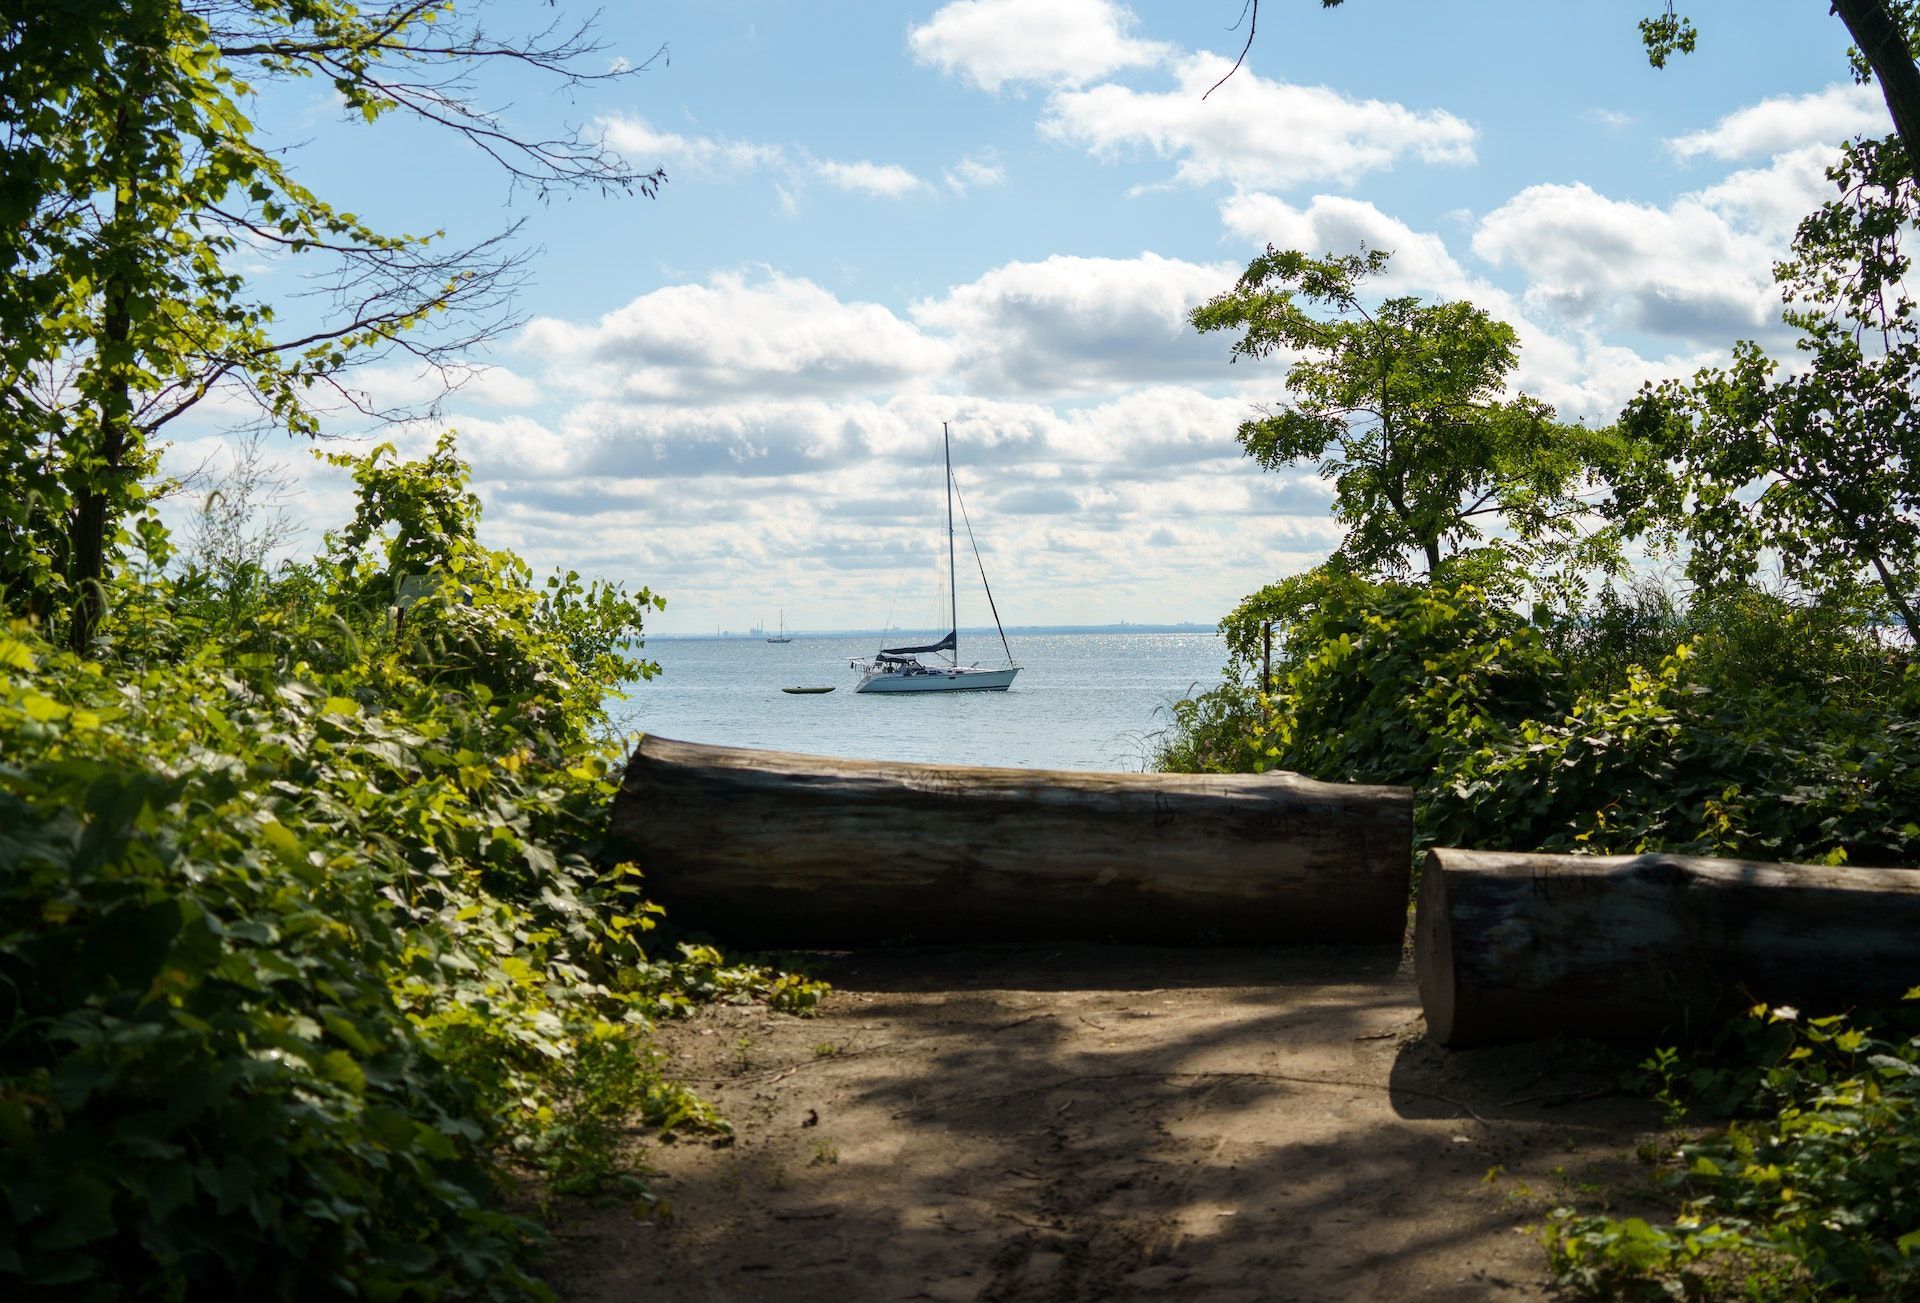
1514	947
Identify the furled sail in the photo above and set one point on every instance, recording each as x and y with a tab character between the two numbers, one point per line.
947	643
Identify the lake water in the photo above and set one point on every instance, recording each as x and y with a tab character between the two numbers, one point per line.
1082	700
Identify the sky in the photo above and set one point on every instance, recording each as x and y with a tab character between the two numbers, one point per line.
996	214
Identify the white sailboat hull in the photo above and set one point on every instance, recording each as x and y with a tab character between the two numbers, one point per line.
941	680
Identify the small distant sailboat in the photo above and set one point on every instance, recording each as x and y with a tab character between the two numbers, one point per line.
783	635
900	669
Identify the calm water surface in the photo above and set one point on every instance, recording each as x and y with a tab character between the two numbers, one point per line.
1082	701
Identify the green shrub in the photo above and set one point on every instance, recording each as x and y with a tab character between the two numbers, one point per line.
1382	683
208	1083
1815	1194
301	960
1743	725
1372	682
1685	758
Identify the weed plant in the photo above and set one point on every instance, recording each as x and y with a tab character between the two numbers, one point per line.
1810	1194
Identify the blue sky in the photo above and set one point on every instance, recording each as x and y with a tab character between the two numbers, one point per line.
996	213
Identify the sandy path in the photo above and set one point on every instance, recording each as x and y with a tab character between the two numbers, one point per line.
1082	1123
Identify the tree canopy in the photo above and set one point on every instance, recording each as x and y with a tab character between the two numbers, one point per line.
131	178
1818	466
1403	405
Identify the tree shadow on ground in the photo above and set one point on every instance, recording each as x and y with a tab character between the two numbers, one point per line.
1086	1123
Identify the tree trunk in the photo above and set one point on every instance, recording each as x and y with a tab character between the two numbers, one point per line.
775	849
97	477
93	499
1882	40
1519	947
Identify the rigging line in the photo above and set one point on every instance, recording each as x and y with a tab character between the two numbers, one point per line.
905	571
983	570
895	602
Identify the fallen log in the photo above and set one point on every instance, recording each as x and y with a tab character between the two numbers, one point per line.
1511	947
769	848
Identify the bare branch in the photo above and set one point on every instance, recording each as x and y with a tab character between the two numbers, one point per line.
1251	13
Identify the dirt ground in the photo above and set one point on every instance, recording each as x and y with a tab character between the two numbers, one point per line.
1093	1123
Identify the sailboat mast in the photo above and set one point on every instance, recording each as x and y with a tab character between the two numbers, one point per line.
953	589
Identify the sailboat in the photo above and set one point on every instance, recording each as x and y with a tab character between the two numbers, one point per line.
900	669
782	636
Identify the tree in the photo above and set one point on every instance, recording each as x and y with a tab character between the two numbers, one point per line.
1403	405
131	177
1820	467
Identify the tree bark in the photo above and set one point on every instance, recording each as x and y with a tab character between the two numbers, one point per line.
96	477
1521	947
775	849
1880	38
93	502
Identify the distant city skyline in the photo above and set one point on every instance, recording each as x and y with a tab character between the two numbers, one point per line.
997	213
1116	626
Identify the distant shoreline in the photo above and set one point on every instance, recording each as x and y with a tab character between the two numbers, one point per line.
753	635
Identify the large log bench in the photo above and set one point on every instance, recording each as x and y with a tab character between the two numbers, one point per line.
774	849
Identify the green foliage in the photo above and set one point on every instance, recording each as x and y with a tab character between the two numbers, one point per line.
1402	406
131	186
464	616
306	939
1218	731
1667	34
1817	471
1762	729
1623	627
1814	1195
1675	760
207	1080
1373	682
1381	682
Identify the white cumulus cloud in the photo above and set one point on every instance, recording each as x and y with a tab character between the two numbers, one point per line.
1788	122
1071	324
1698	269
1253	132
1338	224
643	144
886	180
772	335
973	173
993	43
1771	200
